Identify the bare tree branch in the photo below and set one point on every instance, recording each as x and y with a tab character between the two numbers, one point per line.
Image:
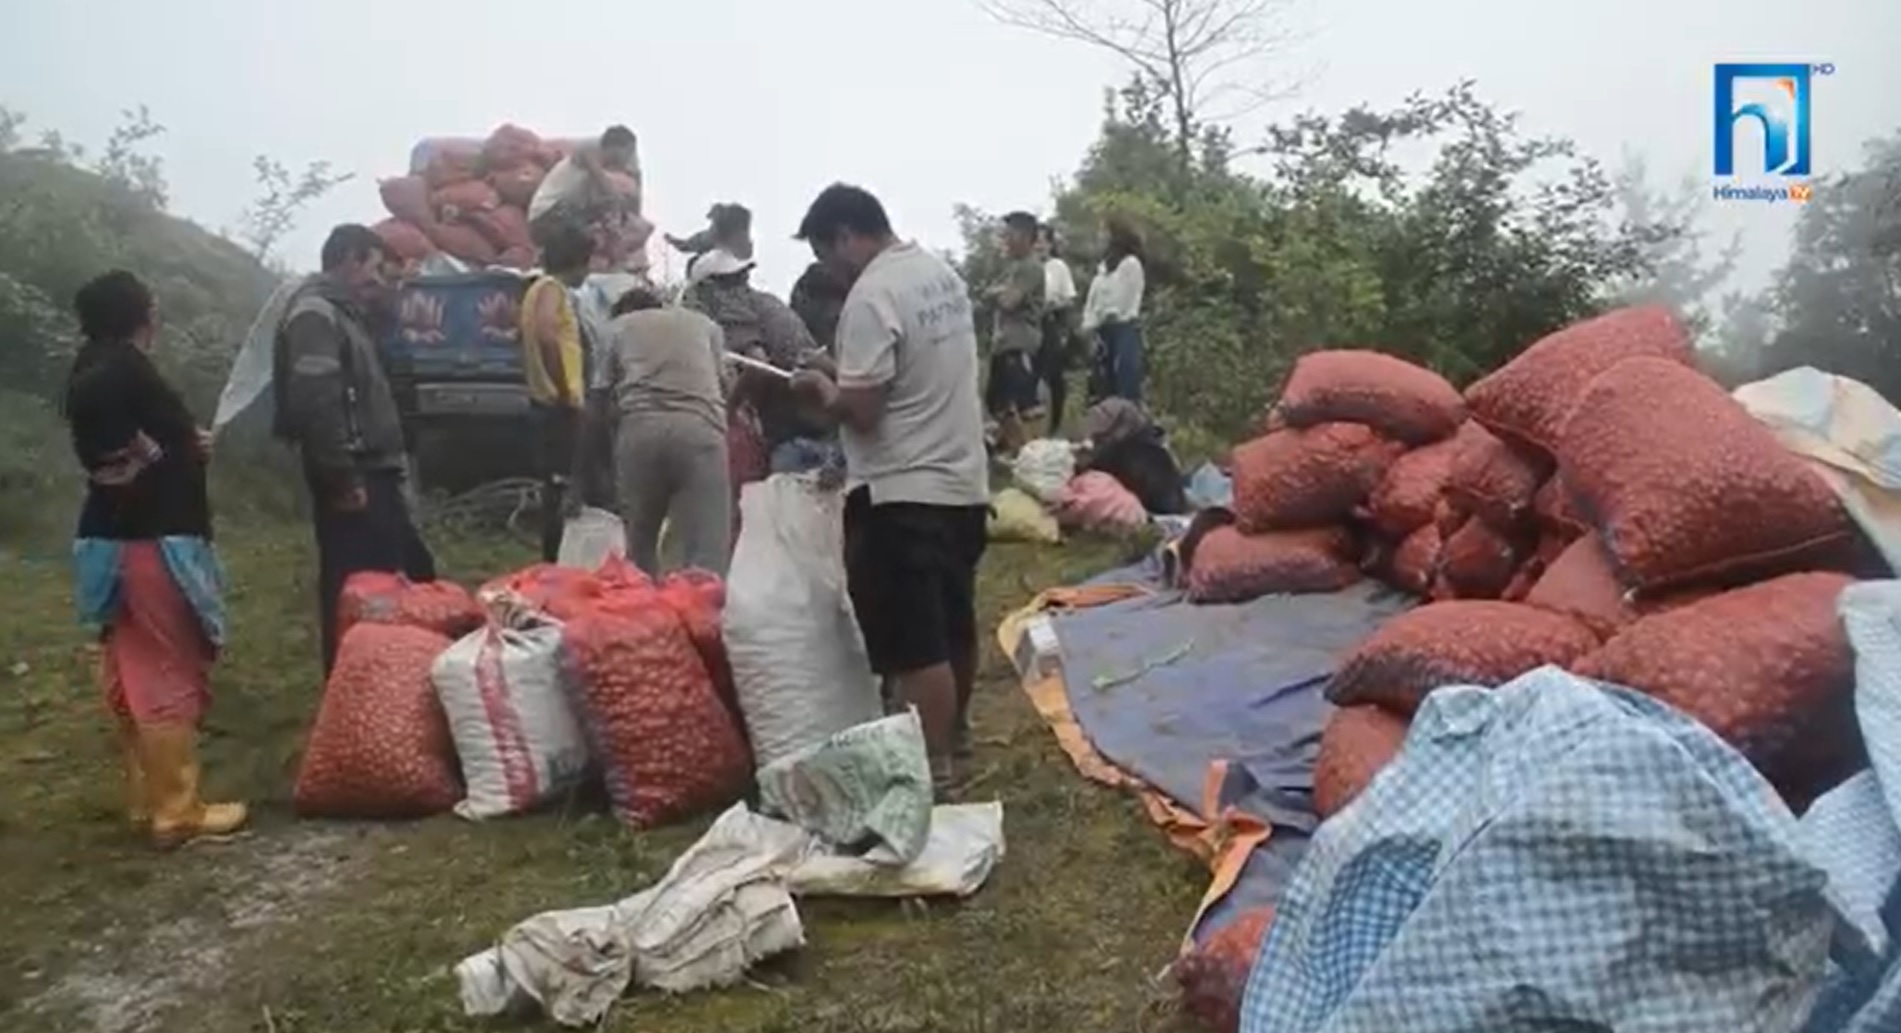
1196	52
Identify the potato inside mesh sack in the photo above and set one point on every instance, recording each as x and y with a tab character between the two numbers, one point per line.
374	597
1416	561
1213	976
1017	517
666	744
1554	511
380	747
1478	561
1530	398
866	790
1309	477
1462	642
1494	479
1403	401
1685	486
1768	668
1229	566
1408	497
1582	584
1356	744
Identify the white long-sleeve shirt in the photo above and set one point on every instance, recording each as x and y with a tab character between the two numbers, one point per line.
1059	284
1115	295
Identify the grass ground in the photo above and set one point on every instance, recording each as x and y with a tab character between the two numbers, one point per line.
333	928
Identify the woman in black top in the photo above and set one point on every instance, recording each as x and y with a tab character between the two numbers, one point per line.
144	567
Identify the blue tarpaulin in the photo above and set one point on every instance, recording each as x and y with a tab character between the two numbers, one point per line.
1164	689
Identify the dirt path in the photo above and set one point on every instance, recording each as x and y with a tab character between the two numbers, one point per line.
133	981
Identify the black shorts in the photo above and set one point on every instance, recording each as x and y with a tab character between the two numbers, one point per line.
912	572
1013	384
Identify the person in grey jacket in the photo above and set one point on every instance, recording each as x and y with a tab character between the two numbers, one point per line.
334	404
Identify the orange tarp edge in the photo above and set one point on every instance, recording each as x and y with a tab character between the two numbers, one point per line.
1224	844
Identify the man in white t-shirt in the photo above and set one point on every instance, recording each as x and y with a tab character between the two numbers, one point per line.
906	396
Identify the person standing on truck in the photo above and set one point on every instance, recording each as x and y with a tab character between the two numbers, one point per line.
661	381
334	404
728	228
577	191
554	369
1017	335
904	389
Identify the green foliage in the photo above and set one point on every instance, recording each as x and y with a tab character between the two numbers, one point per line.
1838	302
1679	274
281	198
1504	238
62	222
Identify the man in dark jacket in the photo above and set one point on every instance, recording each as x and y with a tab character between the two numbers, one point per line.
334	404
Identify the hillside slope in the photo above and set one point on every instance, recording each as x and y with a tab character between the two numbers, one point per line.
60	225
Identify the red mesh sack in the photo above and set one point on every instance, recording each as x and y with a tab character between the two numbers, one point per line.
1357	743
1463	642
1214	975
1232	567
374	597
1556	515
1416	561
1530	397
380	747
453	161
460	200
463	242
1441	590
517	186
1685	486
1492	478
697	597
1477	561
510	146
666	744
1448	518
518	258
1400	400
405	240
1308	477
505	227
1407	498
407	198
1768	668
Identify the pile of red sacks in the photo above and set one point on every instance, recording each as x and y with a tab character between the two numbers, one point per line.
642	666
1597	503
469	200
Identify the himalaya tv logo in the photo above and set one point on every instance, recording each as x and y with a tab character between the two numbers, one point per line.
1774	100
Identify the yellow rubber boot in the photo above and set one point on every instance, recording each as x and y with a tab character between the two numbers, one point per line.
171	777
138	806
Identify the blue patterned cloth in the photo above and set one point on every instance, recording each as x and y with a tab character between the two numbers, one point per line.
1854	832
806	455
193	564
1552	855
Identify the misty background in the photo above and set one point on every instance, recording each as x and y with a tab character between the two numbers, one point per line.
929	103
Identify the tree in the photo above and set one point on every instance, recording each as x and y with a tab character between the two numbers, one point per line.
124	163
274	212
1505	238
1839	299
1208	61
1677	272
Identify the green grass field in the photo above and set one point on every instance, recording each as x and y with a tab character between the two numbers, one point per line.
307	927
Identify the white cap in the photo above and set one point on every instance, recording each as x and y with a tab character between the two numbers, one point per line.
717	262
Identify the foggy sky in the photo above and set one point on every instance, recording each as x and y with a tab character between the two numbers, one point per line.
926	102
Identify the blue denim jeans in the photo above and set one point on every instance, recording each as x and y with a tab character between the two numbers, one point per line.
1119	351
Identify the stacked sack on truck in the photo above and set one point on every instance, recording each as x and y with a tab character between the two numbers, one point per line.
469	199
1609	509
500	702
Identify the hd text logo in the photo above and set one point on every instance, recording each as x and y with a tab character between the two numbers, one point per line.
1762	131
